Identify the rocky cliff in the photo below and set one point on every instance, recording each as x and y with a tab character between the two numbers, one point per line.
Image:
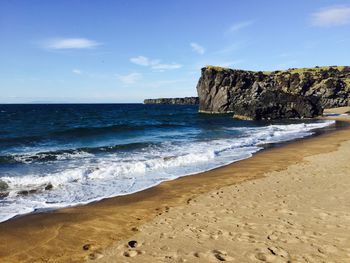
175	101
293	93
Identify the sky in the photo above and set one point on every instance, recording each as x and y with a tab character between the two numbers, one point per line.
77	51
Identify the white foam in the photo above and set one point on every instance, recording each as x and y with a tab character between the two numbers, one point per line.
114	174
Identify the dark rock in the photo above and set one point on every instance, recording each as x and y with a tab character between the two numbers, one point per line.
174	101
49	186
86	246
135	229
132	243
222	90
278	105
3	185
27	192
4	194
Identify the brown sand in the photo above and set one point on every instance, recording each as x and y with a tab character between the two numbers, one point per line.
300	214
296	210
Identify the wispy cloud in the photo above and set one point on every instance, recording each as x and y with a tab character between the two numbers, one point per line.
70	43
230	48
129	79
197	48
331	16
240	25
77	71
154	63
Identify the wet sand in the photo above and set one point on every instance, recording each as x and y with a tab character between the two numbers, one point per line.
299	195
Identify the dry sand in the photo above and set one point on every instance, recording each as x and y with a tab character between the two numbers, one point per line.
296	210
301	214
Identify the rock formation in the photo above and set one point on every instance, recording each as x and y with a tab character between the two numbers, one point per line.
3	185
175	101
3	189
277	105
293	93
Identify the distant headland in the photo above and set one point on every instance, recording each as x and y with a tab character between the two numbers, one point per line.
174	101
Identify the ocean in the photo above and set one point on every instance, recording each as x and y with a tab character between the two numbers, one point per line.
60	155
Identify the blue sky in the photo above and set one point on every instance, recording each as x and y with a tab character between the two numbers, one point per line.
126	51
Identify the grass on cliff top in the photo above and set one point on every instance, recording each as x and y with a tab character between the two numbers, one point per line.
216	68
303	70
292	70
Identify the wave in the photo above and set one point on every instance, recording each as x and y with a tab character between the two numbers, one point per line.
112	175
68	153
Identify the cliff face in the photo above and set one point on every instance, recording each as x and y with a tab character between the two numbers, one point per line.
175	101
294	93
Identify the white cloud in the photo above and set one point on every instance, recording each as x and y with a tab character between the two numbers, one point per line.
153	63
77	71
331	16
167	66
197	48
240	25
144	61
70	43
129	79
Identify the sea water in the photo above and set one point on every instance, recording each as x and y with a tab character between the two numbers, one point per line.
59	155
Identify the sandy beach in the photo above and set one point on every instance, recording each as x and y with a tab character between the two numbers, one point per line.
175	131
285	204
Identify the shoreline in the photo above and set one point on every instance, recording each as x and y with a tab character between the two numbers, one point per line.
60	235
262	147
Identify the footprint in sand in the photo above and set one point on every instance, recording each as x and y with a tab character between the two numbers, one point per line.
246	237
327	249
274	236
285	237
273	255
130	254
221	255
214	256
95	255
